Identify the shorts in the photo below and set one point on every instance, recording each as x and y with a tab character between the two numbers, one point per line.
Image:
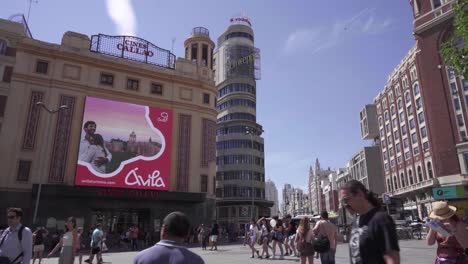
291	238
213	238
95	250
38	248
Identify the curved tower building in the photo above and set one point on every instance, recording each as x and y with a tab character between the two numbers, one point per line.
240	163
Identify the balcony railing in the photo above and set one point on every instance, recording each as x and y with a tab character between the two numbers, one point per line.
200	31
416	186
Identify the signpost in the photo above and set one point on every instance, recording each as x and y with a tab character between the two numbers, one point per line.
387	201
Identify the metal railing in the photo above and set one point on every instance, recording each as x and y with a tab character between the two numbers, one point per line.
200	31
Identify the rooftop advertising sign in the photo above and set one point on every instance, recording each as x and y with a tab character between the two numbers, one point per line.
124	145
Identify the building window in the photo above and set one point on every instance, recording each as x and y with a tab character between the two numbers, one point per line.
3	100
203	183
386	116
385	155
453	86
407	97
410	173
395	185
399	159
392	163
206	98
414	138
420	176
386	166
380	122
429	170
194	52
395	123
402	178
463	135
7	72
156	89
456	103
407	155
3	47
389	186
107	79
405	143
403	130
383	143
418	103
409	110
465	85
205	55
426	146
400	104
392	110
423	132
416	151
23	170
421	117
460	120
382	133
132	84
436	3
412	124
402	117
41	67
389	138
416	89
387	127
398	148
390	152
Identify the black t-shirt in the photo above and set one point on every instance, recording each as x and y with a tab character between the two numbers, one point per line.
292	229
214	230
372	237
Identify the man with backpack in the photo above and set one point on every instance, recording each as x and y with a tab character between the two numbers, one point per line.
326	230
16	240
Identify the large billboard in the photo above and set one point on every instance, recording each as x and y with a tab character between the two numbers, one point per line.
124	145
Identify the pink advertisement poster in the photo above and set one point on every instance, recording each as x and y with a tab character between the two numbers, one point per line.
124	145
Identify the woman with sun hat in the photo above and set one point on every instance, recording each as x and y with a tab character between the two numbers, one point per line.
453	239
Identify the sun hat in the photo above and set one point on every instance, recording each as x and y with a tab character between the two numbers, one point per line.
441	210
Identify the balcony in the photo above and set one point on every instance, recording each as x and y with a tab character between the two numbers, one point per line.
200	31
414	187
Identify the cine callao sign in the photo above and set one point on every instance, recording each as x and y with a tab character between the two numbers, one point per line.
135	47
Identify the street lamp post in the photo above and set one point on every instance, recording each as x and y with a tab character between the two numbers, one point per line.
251	132
51	112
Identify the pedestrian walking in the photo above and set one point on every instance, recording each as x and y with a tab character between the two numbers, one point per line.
134	237
450	234
290	231
96	244
38	243
214	236
16	240
373	236
278	237
264	237
325	228
304	239
170	250
67	243
253	233
78	245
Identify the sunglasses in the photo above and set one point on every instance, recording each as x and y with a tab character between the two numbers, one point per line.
11	216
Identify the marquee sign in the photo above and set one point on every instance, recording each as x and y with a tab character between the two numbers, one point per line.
132	48
241	21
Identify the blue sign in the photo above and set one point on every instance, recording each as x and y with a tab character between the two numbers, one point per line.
450	192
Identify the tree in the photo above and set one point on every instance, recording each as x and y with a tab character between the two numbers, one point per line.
455	50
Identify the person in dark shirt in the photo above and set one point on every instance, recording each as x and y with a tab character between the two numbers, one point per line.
170	249
373	237
214	236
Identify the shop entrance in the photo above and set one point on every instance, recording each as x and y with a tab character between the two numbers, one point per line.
117	222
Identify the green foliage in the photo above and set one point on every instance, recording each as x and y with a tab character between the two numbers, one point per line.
455	50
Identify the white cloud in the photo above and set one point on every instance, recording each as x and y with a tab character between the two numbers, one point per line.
318	39
122	14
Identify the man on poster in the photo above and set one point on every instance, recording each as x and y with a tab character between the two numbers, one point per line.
89	129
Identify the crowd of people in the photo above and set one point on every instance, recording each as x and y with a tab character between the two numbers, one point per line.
373	237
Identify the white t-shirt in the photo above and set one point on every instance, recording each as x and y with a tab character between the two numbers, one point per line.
68	239
253	230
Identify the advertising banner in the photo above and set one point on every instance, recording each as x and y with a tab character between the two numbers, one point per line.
124	145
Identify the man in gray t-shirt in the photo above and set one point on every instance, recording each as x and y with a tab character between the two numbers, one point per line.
170	250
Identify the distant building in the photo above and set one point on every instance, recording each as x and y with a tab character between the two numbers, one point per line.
316	176
271	194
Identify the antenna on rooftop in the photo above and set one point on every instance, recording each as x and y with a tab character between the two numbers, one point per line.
29	9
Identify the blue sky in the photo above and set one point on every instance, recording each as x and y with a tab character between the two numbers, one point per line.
322	61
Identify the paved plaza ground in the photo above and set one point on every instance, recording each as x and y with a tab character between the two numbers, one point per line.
412	252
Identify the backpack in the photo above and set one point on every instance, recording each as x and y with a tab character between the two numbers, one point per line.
321	243
20	237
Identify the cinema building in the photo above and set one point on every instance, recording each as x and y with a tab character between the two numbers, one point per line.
155	115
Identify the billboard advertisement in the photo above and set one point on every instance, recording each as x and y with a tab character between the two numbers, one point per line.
124	145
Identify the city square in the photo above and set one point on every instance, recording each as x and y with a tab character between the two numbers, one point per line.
126	123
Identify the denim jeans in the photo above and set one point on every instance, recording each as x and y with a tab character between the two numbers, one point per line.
328	257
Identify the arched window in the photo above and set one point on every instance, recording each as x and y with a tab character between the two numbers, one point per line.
429	170
400	104
407	97
416	89
389	185
420	176
395	183
386	116
410	174
402	178
3	46
380	121
392	110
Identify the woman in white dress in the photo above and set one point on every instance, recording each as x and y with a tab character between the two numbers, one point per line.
253	231
96	150
67	243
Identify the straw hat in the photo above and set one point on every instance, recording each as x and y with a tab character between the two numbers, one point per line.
442	211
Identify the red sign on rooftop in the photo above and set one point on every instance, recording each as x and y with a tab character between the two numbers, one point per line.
241	21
